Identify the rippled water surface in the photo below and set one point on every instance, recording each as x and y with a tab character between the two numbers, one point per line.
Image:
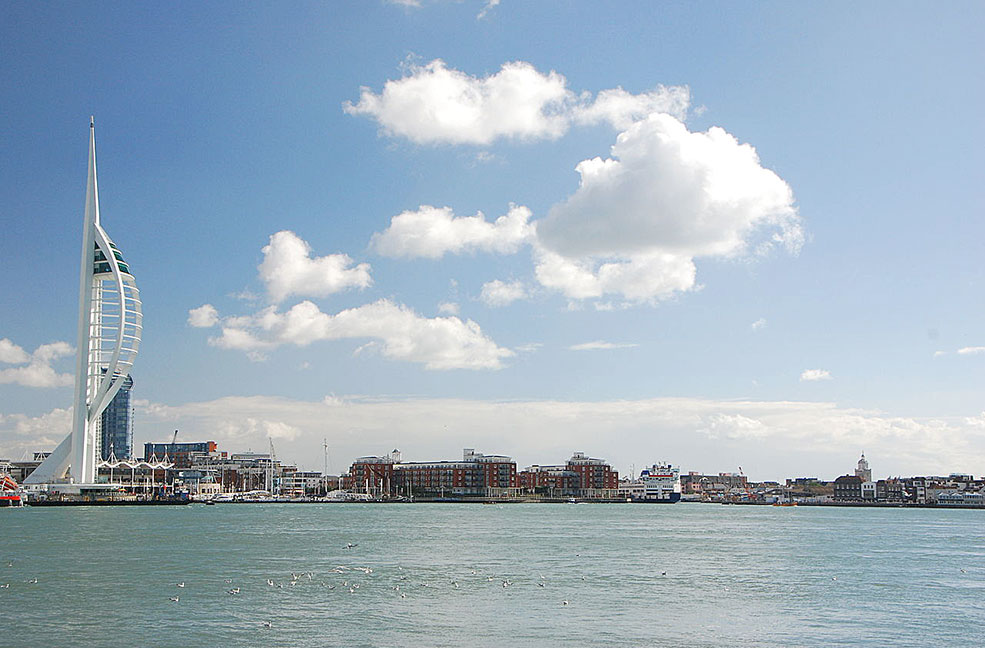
632	575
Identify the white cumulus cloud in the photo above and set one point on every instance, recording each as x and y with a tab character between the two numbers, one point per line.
497	293
432	232
813	375
435	104
11	353
396	331
665	197
203	317
289	269
637	277
975	350
36	370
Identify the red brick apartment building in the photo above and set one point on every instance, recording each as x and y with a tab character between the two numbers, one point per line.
582	476
475	474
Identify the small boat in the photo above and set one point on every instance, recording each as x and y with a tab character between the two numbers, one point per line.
9	492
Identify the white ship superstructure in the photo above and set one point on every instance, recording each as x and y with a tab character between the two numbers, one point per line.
660	483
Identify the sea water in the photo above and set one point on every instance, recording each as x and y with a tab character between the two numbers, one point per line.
491	575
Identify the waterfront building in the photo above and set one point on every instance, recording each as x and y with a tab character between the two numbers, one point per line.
372	475
862	471
116	425
709	486
475	475
580	476
184	454
553	481
889	490
848	488
594	474
109	328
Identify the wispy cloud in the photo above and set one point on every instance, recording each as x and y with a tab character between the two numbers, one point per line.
490	4
600	345
812	375
758	324
498	293
975	350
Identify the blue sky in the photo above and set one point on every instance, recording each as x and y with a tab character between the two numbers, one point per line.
732	233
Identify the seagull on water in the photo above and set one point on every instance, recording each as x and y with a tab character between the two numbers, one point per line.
541	585
33	581
173	598
10	563
181	584
270	582
5	586
227	580
234	591
350	545
267	624
564	602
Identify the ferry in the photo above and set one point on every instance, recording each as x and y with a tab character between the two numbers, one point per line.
660	484
9	492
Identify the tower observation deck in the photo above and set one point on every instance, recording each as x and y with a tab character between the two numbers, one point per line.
110	324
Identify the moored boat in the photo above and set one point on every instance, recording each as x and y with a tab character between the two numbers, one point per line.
9	492
659	484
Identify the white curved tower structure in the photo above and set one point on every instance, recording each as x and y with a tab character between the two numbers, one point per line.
110	323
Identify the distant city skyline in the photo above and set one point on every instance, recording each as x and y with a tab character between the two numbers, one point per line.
716	235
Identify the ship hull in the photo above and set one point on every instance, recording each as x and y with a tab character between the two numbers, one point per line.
674	498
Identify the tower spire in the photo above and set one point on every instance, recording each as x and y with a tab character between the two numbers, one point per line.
109	328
